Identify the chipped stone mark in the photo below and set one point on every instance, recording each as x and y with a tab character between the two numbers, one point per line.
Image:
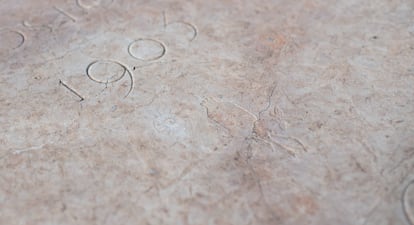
31	26
235	119
271	142
23	150
86	7
19	151
262	133
269	101
294	139
238	121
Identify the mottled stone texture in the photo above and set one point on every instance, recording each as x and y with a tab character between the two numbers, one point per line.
207	112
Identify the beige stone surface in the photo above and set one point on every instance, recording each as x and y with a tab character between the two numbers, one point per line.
207	112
